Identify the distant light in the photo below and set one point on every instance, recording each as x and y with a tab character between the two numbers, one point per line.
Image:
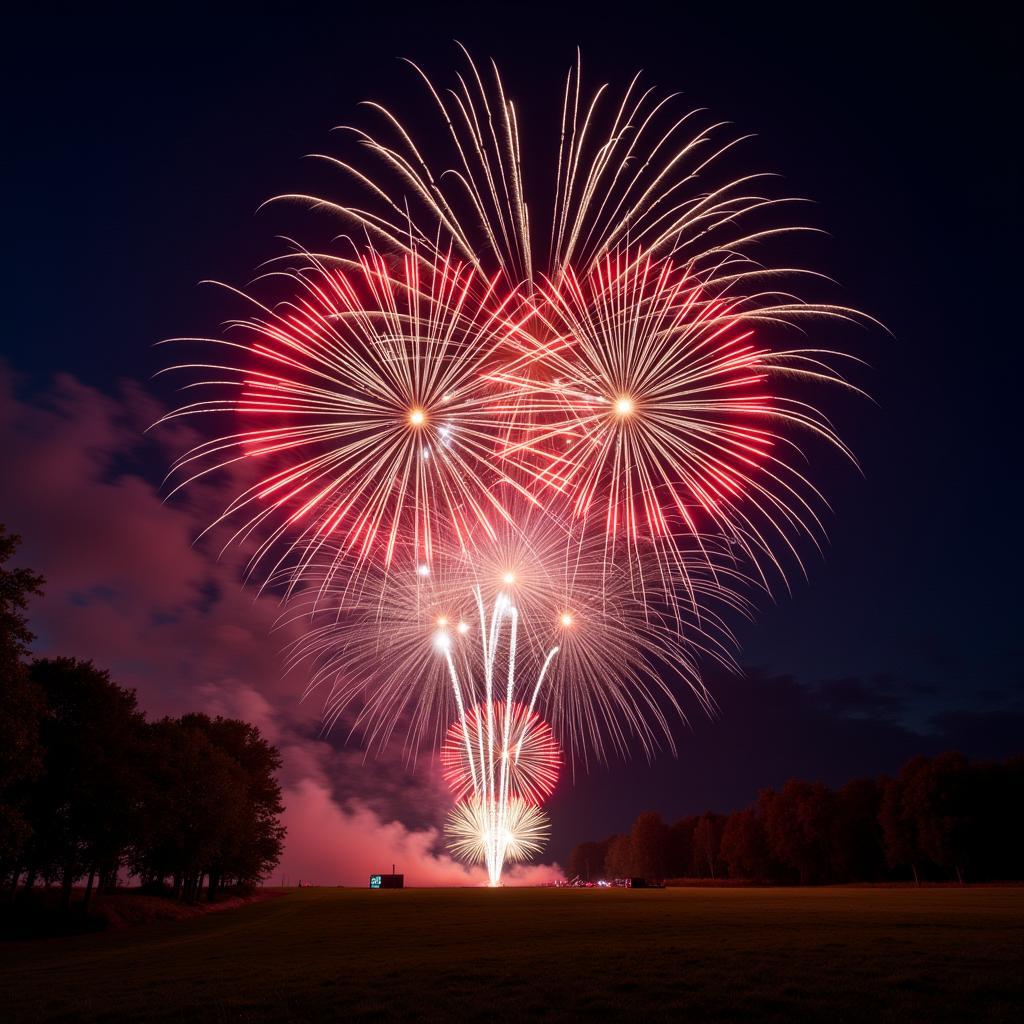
423	570
624	406
442	621
442	641
462	627
566	619
417	417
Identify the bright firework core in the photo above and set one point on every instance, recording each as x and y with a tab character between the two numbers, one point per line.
624	406
417	417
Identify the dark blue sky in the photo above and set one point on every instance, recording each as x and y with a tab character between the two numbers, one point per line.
139	150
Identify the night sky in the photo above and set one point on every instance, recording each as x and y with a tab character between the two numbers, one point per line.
137	155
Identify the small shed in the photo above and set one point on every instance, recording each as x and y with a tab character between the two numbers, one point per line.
387	881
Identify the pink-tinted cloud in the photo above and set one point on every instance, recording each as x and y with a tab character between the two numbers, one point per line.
127	588
345	844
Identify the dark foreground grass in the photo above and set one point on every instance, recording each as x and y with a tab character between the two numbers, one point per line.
464	954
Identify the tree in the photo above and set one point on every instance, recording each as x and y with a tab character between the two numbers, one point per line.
586	861
899	830
254	847
798	824
937	796
16	587
21	710
744	846
190	806
680	847
926	815
21	762
707	840
997	839
82	808
619	859
648	842
856	848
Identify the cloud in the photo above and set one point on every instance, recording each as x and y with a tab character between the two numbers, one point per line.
859	697
345	843
126	587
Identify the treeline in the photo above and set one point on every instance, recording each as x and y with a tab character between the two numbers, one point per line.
942	818
90	790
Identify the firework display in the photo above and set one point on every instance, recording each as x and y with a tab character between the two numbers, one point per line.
514	474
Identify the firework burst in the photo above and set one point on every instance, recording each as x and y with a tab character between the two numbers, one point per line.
533	754
474	838
647	406
364	404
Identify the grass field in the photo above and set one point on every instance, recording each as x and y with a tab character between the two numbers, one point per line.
708	954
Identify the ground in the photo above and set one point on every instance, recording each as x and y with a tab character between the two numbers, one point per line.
838	953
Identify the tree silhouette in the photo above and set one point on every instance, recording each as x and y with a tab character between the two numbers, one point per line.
707	841
942	818
619	859
744	846
83	806
680	847
89	788
21	708
648	843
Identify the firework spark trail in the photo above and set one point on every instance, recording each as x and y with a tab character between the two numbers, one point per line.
634	179
610	682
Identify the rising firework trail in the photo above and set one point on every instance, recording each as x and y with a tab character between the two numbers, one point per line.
499	742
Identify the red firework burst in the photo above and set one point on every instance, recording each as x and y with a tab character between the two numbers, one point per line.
645	404
366	404
533	752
